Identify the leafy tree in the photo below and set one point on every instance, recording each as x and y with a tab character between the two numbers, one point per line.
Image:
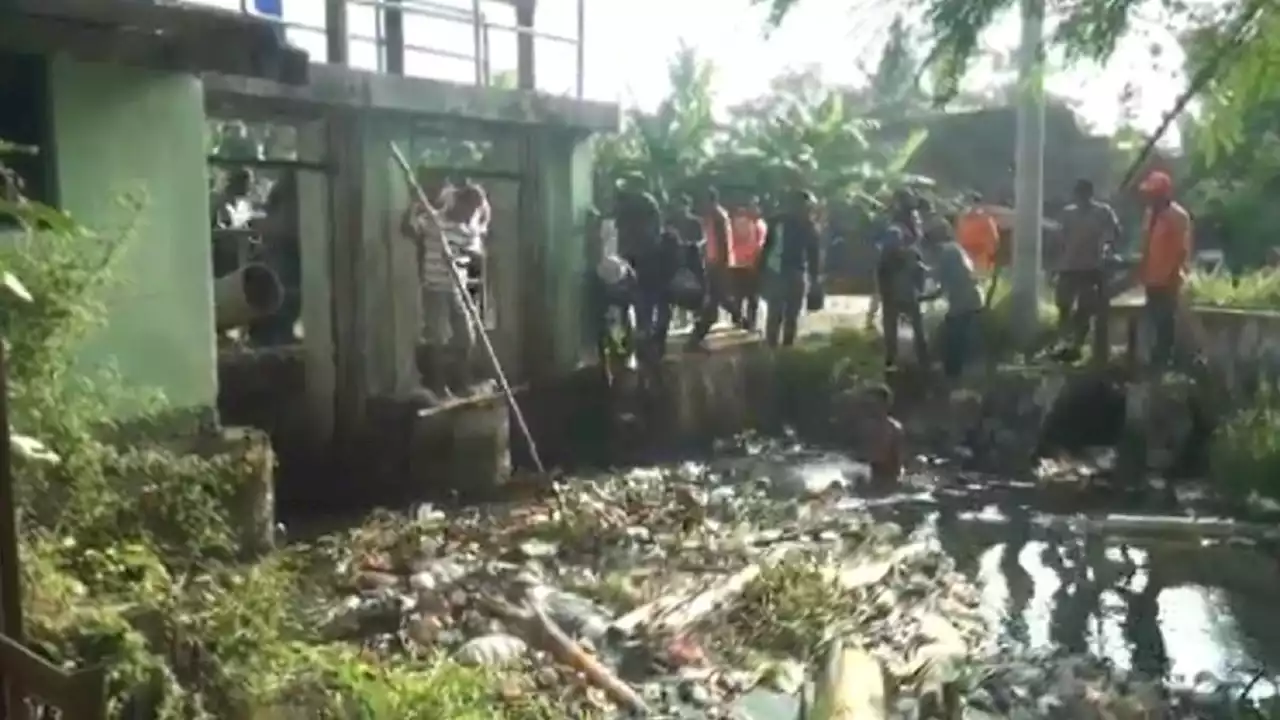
801	132
895	89
1236	71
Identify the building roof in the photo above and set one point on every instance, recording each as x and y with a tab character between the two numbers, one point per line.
160	34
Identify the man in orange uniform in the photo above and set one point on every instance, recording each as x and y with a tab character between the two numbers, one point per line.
718	250
748	233
979	235
1166	246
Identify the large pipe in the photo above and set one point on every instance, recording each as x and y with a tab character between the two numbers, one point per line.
252	292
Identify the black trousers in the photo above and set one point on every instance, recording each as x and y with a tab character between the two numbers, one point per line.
719	296
1081	297
1161	313
959	336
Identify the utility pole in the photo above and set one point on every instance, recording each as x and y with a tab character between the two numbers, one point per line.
1029	175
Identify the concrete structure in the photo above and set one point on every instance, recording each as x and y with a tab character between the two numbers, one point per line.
119	109
360	297
129	110
1242	347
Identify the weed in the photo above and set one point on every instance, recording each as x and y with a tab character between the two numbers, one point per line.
130	554
1245	450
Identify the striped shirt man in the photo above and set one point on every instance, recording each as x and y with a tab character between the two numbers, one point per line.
425	226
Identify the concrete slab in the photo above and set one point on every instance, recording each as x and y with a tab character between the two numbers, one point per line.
331	85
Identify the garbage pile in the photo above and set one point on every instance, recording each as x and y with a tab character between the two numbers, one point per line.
673	592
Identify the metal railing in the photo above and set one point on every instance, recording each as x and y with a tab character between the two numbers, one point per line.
480	24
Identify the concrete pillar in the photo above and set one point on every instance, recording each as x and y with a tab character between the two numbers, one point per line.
557	199
336	32
392	305
346	147
393	37
526	11
316	238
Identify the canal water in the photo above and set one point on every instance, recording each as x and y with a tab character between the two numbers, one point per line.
1189	601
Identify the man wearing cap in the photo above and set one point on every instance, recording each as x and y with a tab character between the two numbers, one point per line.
1166	246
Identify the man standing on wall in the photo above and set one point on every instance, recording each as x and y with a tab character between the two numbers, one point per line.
1090	230
1166	247
448	334
718	253
639	224
900	274
749	229
791	254
953	271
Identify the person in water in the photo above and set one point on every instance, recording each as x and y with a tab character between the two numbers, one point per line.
882	438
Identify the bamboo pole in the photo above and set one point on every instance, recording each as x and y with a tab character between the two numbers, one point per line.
473	314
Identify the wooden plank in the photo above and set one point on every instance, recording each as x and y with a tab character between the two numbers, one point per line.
10	560
74	693
304	165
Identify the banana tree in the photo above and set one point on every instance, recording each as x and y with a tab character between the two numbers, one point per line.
803	134
673	145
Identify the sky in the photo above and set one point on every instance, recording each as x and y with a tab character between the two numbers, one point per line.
628	43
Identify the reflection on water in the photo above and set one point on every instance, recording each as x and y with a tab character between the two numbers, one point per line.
1176	606
1180	610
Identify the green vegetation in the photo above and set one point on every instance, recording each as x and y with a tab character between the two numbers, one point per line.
131	555
1245	454
1257	290
1233	46
800	133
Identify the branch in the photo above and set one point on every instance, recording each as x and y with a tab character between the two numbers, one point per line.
1202	78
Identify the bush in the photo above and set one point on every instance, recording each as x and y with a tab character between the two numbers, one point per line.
129	553
1259	289
1245	450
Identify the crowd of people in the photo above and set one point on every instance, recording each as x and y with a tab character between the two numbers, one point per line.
711	259
703	258
706	258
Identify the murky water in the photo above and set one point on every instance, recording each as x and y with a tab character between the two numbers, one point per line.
1178	607
1192	604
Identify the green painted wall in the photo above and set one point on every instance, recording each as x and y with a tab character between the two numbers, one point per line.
118	130
564	165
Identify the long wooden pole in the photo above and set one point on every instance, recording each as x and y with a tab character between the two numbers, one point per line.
473	313
10	572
